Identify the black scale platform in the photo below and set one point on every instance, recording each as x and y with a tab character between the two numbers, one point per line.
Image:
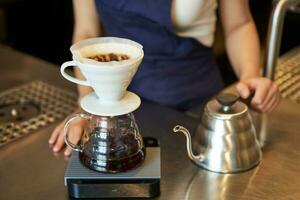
142	182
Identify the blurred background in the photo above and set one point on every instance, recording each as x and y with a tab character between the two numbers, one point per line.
44	29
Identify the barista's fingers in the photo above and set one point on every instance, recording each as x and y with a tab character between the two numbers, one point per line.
278	100
68	151
59	143
261	86
272	93
56	133
75	133
243	90
267	107
273	103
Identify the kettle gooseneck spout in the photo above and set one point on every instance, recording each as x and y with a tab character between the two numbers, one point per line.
187	134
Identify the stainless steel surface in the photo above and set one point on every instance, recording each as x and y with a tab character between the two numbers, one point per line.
29	169
287	75
18	111
225	140
31	106
274	35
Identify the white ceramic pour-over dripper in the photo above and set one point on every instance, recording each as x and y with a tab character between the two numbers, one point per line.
108	79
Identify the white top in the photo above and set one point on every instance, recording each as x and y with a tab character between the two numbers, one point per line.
195	18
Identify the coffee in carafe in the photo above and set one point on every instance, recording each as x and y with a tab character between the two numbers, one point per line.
112	144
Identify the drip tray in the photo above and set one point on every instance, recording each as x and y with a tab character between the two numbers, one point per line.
26	108
287	75
18	112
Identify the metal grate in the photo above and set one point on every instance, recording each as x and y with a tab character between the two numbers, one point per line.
53	104
287	75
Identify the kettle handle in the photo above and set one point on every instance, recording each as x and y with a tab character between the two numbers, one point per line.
66	126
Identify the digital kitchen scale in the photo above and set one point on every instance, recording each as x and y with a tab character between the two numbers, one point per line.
142	182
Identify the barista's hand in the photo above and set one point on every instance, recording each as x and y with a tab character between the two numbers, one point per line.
75	131
266	93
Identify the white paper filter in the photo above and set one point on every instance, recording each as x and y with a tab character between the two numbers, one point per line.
105	45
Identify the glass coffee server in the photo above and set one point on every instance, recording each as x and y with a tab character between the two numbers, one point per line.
111	142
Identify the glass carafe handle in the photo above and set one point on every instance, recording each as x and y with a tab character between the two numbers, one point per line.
66	126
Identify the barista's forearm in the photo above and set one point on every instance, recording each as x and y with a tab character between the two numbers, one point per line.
241	37
87	25
243	49
82	90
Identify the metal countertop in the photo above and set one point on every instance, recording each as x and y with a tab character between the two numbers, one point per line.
29	169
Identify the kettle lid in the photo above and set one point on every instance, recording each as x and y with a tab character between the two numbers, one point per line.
226	106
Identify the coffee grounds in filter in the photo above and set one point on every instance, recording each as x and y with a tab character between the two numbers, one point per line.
109	57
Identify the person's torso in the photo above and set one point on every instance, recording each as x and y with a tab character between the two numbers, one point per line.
176	71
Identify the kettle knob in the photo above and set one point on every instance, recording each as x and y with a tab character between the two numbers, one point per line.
227	99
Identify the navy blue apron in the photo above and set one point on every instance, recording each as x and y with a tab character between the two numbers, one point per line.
176	71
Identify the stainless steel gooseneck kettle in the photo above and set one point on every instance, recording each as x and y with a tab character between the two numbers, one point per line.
226	139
